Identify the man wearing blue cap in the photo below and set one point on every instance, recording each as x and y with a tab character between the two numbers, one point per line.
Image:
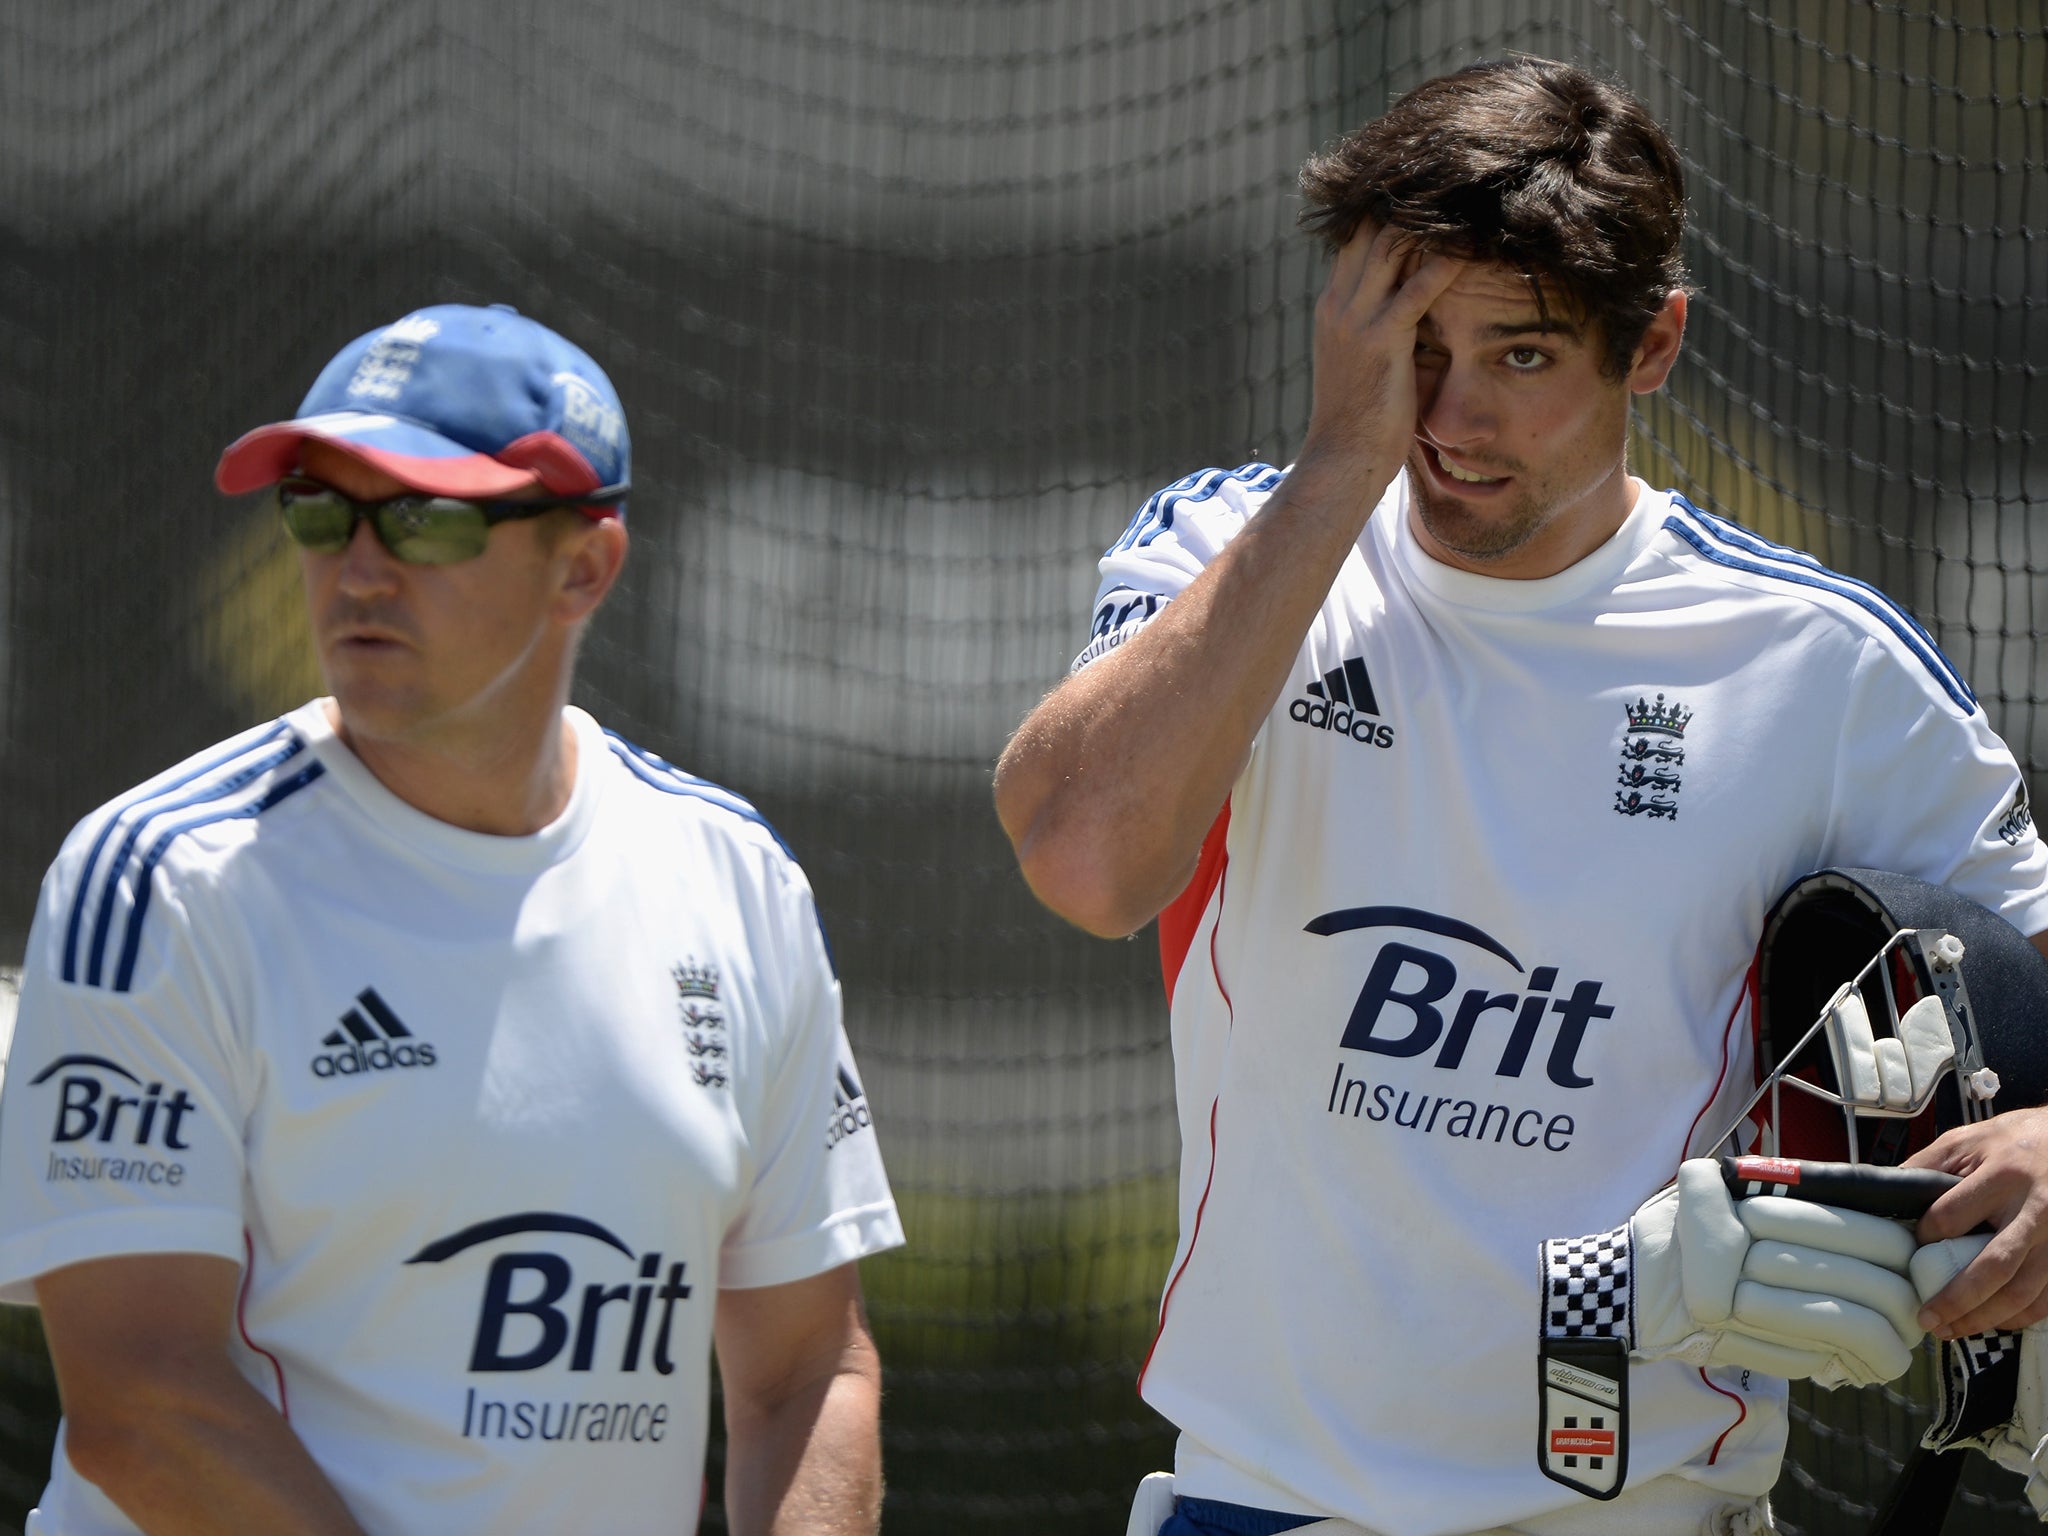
409	1095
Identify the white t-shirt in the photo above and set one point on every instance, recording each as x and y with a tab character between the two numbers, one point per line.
1464	969
489	1120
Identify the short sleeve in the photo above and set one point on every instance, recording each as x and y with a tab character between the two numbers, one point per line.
121	1127
820	1197
1175	534
1925	787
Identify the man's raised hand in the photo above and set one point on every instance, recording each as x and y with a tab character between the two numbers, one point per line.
1366	403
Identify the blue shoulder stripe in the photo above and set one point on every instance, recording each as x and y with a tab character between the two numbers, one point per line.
164	797
131	945
659	773
1156	515
1806	571
1744	538
667	777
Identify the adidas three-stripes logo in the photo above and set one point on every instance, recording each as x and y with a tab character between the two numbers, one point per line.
372	1038
358	1028
850	1114
1348	684
1342	700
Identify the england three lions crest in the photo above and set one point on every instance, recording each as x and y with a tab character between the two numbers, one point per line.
1652	752
703	1020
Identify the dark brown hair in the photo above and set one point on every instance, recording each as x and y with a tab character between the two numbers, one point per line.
1527	162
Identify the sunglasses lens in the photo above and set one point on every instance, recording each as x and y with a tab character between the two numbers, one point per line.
433	531
420	530
317	519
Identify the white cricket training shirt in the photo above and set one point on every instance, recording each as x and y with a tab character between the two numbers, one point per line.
489	1120
1464	969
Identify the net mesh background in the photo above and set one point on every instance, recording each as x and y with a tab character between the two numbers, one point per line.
911	303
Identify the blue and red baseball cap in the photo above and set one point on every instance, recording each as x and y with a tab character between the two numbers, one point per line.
457	400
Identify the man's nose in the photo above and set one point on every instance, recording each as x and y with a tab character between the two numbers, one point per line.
366	565
1458	408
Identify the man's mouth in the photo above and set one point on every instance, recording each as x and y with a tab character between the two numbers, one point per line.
1454	472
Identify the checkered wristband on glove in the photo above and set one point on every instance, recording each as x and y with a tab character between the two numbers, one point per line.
1586	1287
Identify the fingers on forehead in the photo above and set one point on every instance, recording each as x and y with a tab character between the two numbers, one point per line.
1409	254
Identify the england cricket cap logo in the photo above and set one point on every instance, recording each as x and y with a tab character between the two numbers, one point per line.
457	400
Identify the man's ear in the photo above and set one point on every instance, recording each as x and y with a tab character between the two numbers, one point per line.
1658	349
590	559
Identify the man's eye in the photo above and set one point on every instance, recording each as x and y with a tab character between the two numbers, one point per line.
1526	357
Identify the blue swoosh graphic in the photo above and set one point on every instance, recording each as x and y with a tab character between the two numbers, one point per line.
1409	917
505	1226
82	1061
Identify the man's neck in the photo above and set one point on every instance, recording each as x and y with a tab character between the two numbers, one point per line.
510	782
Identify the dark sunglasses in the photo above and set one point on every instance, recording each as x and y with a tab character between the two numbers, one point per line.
420	530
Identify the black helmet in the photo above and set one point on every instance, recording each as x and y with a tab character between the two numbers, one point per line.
1828	931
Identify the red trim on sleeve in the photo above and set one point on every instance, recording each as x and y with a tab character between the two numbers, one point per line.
241	1324
1183	915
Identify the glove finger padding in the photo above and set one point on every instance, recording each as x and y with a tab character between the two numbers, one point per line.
1797	1294
1933	1265
1783	1286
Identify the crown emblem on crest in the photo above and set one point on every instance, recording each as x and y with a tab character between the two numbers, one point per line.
1659	718
694	980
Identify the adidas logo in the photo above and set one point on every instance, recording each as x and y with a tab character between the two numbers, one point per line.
2018	818
373	1044
849	1111
1342	701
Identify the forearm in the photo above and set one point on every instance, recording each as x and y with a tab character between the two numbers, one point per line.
1108	787
204	1455
812	1464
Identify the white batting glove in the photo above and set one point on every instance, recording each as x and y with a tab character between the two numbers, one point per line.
1993	1386
1786	1287
1781	1286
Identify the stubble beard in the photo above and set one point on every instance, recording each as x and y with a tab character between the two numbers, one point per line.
1470	534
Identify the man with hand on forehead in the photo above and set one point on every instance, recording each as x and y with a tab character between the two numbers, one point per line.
1460	768
411	1094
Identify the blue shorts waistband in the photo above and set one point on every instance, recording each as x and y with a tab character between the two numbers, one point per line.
1213	1517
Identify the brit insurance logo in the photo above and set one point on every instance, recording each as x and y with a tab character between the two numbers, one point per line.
1652	752
1438	999
590	421
110	1127
703	1016
562	1291
371	1038
1119	617
1341	700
